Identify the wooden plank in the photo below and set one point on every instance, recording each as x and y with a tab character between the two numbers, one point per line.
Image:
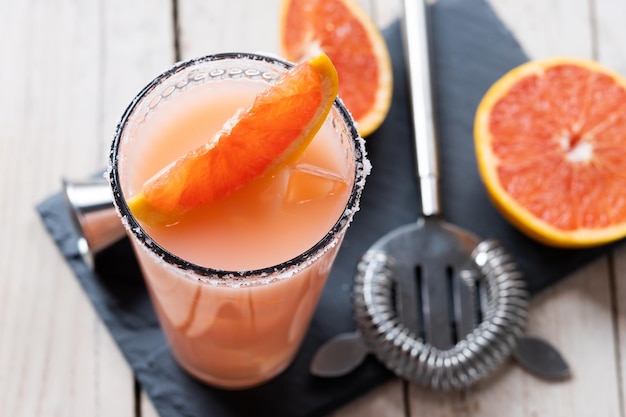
146	407
549	28
610	33
56	358
384	401
138	45
47	328
228	26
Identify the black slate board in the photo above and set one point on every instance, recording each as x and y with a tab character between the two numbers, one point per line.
472	50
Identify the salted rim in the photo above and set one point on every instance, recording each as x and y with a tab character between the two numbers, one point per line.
284	269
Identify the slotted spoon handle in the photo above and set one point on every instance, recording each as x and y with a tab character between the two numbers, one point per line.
417	57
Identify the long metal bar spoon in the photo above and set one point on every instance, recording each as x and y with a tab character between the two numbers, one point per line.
434	303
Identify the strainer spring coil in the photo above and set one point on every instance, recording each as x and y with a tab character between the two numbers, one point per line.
504	308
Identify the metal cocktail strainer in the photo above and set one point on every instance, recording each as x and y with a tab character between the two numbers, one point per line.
434	303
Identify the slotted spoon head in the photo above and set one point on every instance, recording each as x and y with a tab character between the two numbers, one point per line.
433	270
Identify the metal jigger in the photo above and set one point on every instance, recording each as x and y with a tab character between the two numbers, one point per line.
90	203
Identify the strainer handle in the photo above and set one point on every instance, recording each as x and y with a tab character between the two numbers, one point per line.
417	58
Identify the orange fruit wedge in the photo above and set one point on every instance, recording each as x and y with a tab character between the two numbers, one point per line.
550	140
344	31
274	131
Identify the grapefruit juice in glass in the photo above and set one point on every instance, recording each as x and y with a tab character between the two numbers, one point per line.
235	283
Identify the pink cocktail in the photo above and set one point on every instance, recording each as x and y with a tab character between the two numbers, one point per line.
235	284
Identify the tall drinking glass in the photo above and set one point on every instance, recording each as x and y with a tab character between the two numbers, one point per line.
235	284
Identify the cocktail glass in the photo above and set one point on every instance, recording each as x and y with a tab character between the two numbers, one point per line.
239	328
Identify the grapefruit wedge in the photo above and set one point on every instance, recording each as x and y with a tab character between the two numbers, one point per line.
272	132
550	139
344	31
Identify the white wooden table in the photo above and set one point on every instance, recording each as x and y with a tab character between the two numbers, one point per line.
68	68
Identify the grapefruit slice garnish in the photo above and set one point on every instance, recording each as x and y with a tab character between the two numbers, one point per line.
550	139
344	31
274	131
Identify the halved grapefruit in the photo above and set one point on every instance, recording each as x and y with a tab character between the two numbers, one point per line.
550	140
344	31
